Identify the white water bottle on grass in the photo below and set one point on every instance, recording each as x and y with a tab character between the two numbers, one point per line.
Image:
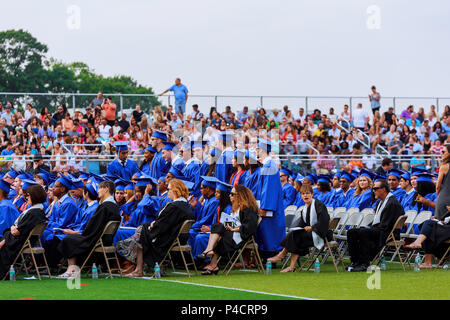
417	263
317	266
94	271
157	271
269	267
12	274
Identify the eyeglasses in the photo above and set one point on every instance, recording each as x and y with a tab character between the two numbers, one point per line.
232	194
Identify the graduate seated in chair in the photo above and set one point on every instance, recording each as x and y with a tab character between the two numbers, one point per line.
227	237
311	231
74	246
157	237
14	237
431	238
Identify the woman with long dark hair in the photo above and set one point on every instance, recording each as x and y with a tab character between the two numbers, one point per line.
238	175
253	171
443	185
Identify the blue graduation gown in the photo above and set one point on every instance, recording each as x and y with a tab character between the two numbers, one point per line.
18	202
64	213
146	168
224	166
289	194
431	197
148	208
192	173
408	199
82	219
251	180
325	198
12	193
399	194
361	201
159	166
204	215
204	167
201	239
8	214
342	199
115	168
271	230
335	193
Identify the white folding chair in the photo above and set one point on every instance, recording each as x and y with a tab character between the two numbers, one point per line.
411	215
330	210
421	217
367	220
289	215
367	211
353	210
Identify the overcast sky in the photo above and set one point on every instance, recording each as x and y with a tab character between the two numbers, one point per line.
252	47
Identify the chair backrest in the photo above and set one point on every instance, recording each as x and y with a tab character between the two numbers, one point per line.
353	210
354	219
38	230
367	219
422	217
333	224
411	215
339	209
367	211
343	219
111	228
330	210
400	222
185	227
290	210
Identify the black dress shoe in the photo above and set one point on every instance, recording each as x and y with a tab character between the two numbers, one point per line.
352	266
360	268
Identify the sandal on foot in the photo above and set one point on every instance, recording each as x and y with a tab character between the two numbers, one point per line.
288	269
209	272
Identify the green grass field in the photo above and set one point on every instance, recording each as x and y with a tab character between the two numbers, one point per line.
395	284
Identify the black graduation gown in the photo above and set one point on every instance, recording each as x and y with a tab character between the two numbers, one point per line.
249	225
13	244
299	241
434	243
156	241
389	216
80	244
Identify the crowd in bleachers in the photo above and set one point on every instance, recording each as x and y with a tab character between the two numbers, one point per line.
205	152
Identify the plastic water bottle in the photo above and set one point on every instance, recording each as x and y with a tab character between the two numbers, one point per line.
269	267
12	274
157	271
317	266
417	262
94	271
383	264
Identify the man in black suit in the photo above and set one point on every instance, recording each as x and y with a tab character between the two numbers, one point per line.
386	165
364	243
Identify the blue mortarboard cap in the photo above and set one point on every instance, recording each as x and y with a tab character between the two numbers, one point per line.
239	154
51	185
213	152
417	171
226	136
265	145
93	188
251	156
160	135
12	173
76	182
378	178
121	145
44	175
129	187
65	181
396	173
209	181
355	173
311	177
337	174
143	182
299	178
28	183
24	176
406	176
151	149
169	146
223	186
84	175
198	144
163	179
425	177
286	171
120	184
324	179
5	186
347	176
366	173
176	172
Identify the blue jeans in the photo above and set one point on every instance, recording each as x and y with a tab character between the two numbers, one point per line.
180	106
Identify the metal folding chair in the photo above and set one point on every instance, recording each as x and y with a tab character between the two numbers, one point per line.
446	255
420	218
178	247
367	211
392	242
28	248
109	230
329	246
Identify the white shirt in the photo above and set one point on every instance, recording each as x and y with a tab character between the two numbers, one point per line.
359	118
334	133
110	199
104	131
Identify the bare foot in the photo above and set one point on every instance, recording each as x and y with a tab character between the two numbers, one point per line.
414	245
276	258
426	266
288	269
134	274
